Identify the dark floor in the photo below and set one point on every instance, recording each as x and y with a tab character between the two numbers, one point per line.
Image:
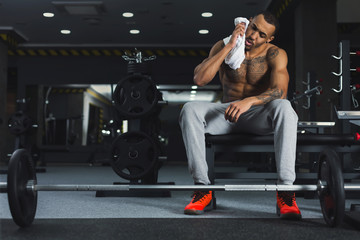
171	228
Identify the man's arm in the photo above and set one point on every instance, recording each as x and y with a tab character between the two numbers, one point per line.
206	71
279	77
279	80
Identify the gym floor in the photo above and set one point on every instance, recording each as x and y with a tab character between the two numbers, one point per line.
80	215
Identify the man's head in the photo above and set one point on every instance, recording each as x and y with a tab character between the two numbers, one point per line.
261	30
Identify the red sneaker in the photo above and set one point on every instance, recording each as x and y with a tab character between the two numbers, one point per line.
201	202
286	206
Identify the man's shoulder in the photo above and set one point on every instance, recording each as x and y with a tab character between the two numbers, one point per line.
274	51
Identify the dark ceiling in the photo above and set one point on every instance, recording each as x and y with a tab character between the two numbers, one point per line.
161	23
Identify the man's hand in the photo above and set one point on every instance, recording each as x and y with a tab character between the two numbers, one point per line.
238	31
235	109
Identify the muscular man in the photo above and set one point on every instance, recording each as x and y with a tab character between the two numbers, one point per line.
254	101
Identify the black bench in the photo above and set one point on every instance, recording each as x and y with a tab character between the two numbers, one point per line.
312	143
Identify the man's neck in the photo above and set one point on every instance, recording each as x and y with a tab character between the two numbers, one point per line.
254	52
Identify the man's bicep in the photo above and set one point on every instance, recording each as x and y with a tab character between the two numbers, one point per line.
280	80
279	75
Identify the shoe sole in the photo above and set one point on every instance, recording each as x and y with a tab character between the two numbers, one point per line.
193	212
290	216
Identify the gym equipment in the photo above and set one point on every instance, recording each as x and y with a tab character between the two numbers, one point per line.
135	96
19	123
22	188
332	199
22	202
134	155
357	53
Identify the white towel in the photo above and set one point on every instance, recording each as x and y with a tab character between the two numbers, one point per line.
237	55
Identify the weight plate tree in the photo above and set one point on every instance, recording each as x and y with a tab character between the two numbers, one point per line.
135	96
19	123
134	155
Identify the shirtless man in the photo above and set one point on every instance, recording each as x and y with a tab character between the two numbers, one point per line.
254	101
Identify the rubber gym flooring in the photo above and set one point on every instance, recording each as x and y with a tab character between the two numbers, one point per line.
240	215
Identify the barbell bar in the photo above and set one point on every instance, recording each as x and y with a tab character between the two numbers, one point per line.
320	186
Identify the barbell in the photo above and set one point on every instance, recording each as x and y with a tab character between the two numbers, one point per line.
22	188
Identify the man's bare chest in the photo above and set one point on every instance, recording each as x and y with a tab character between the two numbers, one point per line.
251	71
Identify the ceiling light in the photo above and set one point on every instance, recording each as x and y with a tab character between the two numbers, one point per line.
65	31
203	31
194	87
80	8
134	31
206	14
48	14
127	14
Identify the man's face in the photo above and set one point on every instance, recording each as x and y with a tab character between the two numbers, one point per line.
258	32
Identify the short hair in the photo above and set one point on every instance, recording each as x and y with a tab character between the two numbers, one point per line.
271	19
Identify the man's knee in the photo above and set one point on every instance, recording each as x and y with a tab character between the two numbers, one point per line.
284	108
187	111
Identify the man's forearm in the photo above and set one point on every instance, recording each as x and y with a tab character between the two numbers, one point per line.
267	96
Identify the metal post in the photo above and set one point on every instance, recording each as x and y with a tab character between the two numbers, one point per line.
3	187
345	96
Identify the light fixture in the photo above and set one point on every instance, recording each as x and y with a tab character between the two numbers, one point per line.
203	31
65	31
87	8
206	14
48	14
128	14
194	87
134	31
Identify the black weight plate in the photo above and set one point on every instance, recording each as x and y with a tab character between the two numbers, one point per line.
134	155
332	198
19	123
135	96
22	202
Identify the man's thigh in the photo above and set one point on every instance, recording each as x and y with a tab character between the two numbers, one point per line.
257	120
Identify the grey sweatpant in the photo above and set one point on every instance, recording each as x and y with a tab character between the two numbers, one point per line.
276	117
